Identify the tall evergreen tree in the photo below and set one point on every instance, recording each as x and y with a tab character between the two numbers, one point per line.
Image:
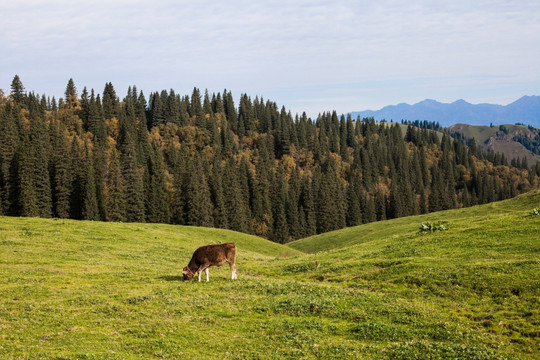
110	101
71	92
307	203
216	193
78	178
17	91
198	202
26	204
89	210
354	211
8	146
280	232
234	202
157	208
115	189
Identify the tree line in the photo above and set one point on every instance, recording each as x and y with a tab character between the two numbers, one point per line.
201	160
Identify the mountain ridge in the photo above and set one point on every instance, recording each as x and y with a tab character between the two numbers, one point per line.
525	110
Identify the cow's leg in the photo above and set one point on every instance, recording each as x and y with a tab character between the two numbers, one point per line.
207	272
233	271
199	275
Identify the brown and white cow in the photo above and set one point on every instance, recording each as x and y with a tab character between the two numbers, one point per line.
211	255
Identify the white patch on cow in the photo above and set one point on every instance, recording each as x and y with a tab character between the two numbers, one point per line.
207	272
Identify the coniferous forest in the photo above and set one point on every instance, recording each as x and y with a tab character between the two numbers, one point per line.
250	166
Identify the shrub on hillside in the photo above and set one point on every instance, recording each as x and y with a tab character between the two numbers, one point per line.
431	227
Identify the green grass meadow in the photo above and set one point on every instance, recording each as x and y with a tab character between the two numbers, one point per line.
92	290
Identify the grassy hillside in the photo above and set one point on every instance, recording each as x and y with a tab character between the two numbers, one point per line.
91	290
492	139
494	214
483	272
103	290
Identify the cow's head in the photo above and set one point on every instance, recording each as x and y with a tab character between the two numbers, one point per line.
188	274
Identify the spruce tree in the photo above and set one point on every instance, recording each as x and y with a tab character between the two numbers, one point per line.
157	208
280	232
234	201
198	203
110	101
354	212
17	91
8	146
89	209
26	197
77	177
71	92
96	122
216	193
196	111
292	208
380	206
131	171
307	203
41	143
115	189
180	188
157	111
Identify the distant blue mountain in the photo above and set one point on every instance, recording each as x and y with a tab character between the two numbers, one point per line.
525	110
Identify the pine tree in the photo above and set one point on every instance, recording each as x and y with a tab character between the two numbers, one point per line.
172	109
292	208
41	143
131	171
435	198
234	202
380	206
78	178
26	198
157	111
354	212
110	101
180	188
230	110
99	163
330	209
216	193
8	146
89	210
71	92
156	200
196	110
115	189
198	202
307	203
245	190
396	202
96	122
17	91
280	232
369	209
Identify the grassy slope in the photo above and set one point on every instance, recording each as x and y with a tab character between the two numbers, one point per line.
466	219
482	133
91	289
482	273
512	149
94	290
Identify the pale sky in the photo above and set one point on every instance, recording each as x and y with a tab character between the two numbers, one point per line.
310	55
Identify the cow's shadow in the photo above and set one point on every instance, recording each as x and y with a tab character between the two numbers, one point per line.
172	278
